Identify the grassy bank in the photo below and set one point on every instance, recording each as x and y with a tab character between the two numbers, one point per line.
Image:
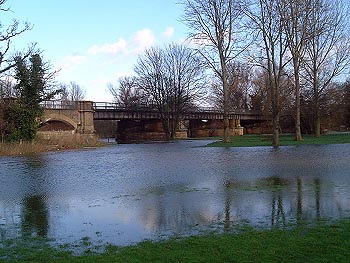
323	243
27	148
285	140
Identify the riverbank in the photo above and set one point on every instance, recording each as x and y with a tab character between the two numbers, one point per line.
285	140
321	243
35	147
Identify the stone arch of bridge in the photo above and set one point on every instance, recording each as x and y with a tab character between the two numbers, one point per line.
61	118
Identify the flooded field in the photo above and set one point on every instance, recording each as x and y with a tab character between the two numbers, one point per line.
123	194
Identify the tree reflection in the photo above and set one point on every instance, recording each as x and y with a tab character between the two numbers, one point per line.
317	198
165	211
35	217
35	212
228	190
277	214
299	200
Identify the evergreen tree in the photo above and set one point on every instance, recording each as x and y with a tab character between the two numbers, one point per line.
25	112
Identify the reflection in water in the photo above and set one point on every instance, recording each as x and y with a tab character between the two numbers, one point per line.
35	217
278	216
228	198
132	192
168	209
35	213
299	201
317	183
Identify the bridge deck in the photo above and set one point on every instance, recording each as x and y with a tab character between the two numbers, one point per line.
114	111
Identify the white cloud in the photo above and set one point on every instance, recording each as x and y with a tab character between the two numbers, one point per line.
141	40
72	61
114	48
144	39
169	32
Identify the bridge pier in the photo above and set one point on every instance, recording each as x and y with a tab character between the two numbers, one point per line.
146	130
213	128
67	122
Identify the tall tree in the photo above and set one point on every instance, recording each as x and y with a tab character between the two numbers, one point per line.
172	79
33	86
295	20
265	20
327	50
215	26
239	84
185	81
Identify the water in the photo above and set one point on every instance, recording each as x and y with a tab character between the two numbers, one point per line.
123	194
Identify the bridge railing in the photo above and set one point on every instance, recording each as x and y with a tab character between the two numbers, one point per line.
59	105
112	106
117	106
106	105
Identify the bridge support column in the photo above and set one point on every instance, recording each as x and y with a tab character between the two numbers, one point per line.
68	122
85	117
213	128
182	130
236	127
146	130
139	130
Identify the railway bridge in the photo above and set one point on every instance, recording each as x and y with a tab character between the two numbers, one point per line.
77	118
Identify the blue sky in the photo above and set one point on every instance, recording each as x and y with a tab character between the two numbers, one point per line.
96	42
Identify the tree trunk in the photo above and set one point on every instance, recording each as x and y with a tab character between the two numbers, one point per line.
174	123
226	96
275	113
166	128
298	136
276	139
316	105
317	123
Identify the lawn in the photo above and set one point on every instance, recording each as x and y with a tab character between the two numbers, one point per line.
285	140
321	243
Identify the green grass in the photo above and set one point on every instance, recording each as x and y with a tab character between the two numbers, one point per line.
285	140
321	243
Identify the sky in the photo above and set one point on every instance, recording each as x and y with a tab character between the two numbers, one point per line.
93	43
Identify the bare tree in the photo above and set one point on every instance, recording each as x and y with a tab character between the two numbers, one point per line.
215	26
239	84
77	92
128	94
7	89
6	36
327	50
171	78
295	20
185	81
265	20
72	92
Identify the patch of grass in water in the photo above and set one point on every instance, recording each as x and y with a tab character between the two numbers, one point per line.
285	140
268	184
165	189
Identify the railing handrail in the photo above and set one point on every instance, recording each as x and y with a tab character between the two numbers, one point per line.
59	104
118	106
